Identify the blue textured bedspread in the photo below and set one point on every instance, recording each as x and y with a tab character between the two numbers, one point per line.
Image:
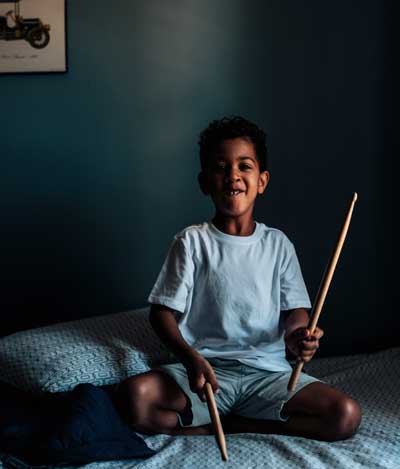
373	380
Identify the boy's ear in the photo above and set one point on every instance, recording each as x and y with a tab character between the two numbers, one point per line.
203	183
263	181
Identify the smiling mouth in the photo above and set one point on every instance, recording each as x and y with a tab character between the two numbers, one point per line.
232	193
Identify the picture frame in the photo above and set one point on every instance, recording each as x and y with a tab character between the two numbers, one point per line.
33	36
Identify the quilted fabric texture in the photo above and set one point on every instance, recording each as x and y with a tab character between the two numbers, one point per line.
372	379
99	350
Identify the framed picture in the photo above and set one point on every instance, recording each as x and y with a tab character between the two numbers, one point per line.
32	36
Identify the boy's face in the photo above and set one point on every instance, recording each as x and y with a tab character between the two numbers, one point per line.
233	178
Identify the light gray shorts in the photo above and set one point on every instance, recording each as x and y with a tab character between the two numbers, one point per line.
243	390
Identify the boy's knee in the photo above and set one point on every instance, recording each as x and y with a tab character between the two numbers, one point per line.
134	396
136	387
345	418
145	404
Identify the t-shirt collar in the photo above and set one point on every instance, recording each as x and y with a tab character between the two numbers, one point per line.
233	238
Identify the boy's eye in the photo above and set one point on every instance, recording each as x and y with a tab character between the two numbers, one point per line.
242	167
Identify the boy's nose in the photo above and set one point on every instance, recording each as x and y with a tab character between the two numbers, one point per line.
231	175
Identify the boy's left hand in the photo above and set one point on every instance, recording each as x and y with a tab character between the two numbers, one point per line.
302	344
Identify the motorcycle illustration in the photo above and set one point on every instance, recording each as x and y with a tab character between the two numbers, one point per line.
32	30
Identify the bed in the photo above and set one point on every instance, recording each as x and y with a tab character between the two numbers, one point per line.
105	349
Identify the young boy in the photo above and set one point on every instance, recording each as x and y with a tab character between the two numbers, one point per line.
230	298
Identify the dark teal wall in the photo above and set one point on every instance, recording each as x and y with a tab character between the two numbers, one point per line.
99	165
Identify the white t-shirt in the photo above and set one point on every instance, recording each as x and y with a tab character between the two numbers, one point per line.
228	292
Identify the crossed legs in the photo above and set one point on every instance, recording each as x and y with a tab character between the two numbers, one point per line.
317	411
152	400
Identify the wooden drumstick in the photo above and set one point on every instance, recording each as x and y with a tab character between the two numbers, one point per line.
219	432
323	289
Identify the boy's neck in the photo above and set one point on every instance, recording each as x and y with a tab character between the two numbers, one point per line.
234	226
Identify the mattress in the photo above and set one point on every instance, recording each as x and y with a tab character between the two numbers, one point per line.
373	380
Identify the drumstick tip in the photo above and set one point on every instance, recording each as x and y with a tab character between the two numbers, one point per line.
355	197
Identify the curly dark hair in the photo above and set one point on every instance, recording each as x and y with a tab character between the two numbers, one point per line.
232	127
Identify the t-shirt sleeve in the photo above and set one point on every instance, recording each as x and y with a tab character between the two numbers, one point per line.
293	292
175	280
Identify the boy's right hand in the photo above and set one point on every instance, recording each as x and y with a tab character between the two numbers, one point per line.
199	372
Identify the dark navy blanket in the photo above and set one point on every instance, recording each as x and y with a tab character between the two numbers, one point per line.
75	427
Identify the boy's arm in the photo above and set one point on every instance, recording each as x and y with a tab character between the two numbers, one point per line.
298	338
295	318
163	321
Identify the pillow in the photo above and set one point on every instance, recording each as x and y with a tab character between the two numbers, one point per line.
76	427
100	350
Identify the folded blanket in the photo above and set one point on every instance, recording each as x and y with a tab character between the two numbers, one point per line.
75	427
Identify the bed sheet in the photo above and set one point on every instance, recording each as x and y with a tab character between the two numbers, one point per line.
372	379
